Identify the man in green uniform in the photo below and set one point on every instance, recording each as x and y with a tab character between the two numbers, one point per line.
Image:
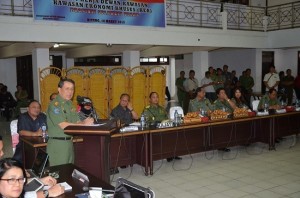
181	94
270	99
223	102
200	102
288	84
247	82
154	112
219	79
60	114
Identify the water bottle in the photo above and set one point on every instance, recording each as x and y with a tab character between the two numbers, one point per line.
176	118
44	129
142	121
266	106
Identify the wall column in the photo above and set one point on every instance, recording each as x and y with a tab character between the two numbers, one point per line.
69	62
200	64
171	77
131	58
40	60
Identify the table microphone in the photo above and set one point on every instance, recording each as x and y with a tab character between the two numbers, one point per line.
85	188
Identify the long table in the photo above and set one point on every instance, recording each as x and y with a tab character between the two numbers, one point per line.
110	149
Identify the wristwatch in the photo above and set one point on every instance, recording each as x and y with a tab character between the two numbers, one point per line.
46	193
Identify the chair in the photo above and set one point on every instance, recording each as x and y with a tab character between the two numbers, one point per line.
255	105
14	134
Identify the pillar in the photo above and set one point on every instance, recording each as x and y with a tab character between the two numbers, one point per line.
131	58
70	63
171	77
200	64
40	60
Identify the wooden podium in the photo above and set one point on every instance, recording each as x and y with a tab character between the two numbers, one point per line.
92	154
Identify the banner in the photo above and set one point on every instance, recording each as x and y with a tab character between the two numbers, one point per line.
112	12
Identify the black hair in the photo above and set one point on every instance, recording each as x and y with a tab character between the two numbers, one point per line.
191	71
32	101
199	89
207	73
0	137
52	95
63	80
125	94
272	90
153	92
218	90
271	66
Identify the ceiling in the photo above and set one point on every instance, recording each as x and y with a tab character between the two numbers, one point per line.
15	49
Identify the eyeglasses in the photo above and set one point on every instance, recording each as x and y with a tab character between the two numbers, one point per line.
14	180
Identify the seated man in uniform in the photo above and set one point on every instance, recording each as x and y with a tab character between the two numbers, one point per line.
29	124
124	111
270	99
200	102
154	112
223	102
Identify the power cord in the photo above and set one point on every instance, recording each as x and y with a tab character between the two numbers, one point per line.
189	153
237	151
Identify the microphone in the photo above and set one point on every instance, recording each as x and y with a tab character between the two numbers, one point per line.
85	188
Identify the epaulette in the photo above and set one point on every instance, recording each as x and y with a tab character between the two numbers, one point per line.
147	107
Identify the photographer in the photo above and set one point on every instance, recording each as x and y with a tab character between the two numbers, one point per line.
86	108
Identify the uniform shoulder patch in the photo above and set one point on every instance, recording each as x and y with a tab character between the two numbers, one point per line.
56	111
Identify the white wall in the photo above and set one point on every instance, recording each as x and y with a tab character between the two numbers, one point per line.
8	74
236	59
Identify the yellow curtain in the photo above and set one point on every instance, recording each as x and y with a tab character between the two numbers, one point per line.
138	89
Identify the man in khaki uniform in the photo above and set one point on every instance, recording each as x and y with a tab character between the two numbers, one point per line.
60	114
154	112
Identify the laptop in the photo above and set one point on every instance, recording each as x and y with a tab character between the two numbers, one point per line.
125	188
39	164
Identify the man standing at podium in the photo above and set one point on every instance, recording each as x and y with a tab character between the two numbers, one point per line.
60	114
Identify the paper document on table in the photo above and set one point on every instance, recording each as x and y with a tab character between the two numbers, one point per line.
135	124
98	124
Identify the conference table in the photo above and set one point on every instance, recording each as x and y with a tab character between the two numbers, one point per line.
107	148
65	175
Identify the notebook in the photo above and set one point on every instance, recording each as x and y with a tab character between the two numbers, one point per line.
39	164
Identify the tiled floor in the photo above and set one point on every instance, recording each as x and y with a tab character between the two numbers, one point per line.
244	172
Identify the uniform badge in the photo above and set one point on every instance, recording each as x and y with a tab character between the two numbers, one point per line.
56	110
56	104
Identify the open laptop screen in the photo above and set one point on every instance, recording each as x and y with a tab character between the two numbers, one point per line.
40	162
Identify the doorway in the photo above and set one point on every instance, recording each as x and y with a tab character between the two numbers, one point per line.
267	61
24	74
